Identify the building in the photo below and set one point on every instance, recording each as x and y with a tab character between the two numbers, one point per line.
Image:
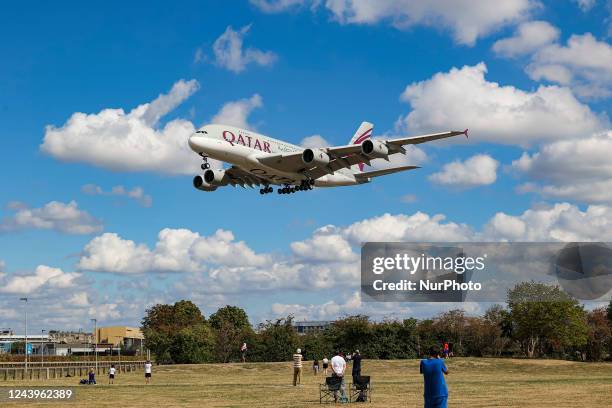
130	338
70	336
36	342
85	349
304	327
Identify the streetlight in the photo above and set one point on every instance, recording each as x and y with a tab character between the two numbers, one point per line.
25	299
95	321
42	346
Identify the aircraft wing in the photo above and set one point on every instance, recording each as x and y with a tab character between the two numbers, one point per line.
395	145
346	156
241	178
378	173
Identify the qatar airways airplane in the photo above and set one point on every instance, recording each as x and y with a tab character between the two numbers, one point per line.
259	160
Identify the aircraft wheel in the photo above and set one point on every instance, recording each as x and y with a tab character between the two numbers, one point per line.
205	166
261	191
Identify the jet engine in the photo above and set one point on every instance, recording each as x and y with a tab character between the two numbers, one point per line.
216	177
374	149
201	184
316	157
211	180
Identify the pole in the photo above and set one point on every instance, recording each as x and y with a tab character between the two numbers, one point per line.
25	308
96	342
42	347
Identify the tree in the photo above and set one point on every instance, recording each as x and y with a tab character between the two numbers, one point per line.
232	328
545	318
316	345
177	333
352	333
599	334
498	329
451	327
278	339
193	345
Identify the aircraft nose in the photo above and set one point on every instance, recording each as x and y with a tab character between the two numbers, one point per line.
195	143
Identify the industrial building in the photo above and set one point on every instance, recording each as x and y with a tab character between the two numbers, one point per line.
305	327
107	340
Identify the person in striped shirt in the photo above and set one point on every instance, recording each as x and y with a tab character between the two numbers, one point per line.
297	367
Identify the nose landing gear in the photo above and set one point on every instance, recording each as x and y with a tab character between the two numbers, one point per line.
205	165
265	190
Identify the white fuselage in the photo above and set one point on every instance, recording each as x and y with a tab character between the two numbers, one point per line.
242	148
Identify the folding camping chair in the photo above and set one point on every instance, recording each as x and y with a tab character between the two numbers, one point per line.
327	390
361	390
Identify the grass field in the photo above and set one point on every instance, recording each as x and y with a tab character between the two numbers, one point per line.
472	382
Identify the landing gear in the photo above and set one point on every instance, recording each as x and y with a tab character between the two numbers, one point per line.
286	190
265	190
205	165
305	185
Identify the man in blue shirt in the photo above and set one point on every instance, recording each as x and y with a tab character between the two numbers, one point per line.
434	370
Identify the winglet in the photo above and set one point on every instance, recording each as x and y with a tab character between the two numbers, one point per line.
465	132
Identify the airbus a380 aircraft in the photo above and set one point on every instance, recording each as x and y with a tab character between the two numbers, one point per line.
263	161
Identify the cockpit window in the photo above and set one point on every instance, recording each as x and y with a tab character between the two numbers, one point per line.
202	131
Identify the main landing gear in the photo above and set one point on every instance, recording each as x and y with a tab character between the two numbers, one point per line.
265	190
305	185
205	165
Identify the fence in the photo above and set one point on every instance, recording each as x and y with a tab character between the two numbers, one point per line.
51	370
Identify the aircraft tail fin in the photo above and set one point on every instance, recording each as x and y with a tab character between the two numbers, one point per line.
363	132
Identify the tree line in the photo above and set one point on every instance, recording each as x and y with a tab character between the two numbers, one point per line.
538	321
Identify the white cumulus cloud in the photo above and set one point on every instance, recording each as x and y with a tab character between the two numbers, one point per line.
468	20
477	170
176	250
558	222
579	170
230	53
137	193
314	141
43	276
529	37
584	63
55	215
236	113
463	97
128	141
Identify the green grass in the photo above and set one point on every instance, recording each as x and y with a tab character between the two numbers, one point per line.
472	382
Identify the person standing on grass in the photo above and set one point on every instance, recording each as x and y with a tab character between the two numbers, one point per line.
243	351
148	367
434	370
297	367
325	365
445	350
356	366
315	366
111	374
338	364
92	376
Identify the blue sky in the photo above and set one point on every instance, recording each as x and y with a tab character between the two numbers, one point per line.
531	81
